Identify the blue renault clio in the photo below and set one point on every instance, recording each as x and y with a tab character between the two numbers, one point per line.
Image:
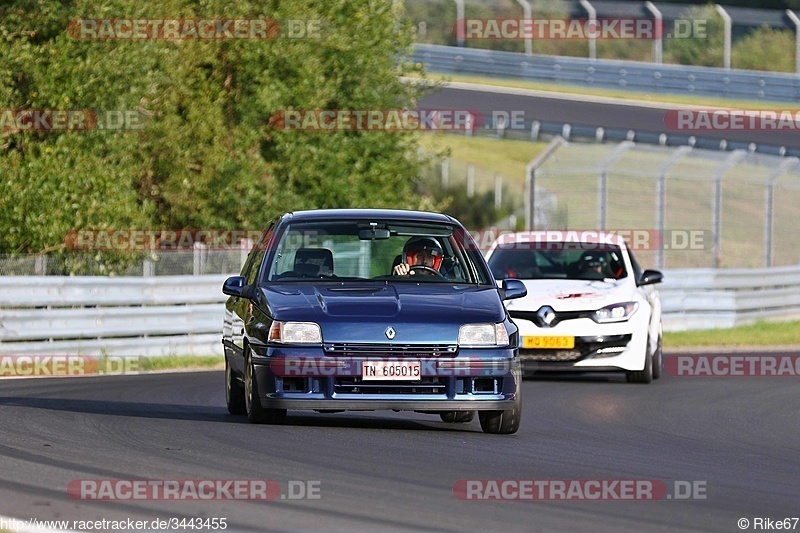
367	309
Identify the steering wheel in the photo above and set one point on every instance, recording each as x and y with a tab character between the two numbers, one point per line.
426	269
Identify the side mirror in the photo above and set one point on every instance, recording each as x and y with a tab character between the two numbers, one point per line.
513	288
650	277
234	286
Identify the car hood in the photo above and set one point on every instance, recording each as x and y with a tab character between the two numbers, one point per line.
572	294
418	313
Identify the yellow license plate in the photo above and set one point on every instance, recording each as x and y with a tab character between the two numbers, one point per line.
553	343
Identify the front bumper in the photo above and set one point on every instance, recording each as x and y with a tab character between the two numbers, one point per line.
598	347
309	379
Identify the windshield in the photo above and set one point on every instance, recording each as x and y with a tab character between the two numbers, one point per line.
558	260
372	250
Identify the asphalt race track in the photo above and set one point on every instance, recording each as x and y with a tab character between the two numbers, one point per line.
589	113
736	439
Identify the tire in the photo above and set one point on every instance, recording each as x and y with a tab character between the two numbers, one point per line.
460	417
658	360
234	392
645	375
255	412
502	422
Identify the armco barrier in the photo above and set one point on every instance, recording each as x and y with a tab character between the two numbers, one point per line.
613	74
723	298
183	314
167	315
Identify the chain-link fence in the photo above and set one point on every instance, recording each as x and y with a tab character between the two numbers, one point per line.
199	261
705	208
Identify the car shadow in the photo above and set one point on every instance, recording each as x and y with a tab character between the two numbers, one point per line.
204	413
577	377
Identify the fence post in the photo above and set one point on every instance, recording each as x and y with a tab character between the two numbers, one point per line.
769	207
593	21
716	203
661	200
530	179
445	172
498	191
796	22
602	185
199	257
470	180
148	268
726	19
658	40
526	13
461	28
40	265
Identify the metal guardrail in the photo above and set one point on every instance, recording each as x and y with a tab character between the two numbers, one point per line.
55	315
715	298
612	74
182	315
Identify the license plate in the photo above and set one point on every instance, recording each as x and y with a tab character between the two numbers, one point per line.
391	370
548	343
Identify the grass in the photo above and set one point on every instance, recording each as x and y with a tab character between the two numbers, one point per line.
759	334
614	93
489	155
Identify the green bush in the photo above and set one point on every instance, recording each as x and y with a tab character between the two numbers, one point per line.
207	155
765	49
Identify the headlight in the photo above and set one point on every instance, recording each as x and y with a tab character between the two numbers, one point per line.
615	312
295	332
483	335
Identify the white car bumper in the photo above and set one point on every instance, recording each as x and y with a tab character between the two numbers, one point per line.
598	347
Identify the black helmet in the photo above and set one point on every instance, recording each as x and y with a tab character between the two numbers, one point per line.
428	245
593	261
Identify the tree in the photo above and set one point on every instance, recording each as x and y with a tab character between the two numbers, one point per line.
206	155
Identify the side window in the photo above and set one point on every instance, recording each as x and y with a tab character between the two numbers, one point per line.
254	258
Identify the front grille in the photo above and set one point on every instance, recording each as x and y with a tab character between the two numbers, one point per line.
355	385
344	349
550	355
585	347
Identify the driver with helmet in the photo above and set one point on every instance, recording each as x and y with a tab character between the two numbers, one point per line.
421	255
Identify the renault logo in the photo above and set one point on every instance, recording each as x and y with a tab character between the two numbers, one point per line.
390	333
546	315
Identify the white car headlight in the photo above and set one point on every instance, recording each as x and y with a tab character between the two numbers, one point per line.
615	312
483	335
295	332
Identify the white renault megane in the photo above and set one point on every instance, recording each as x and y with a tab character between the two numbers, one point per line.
590	306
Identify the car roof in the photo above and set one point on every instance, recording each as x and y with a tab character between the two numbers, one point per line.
371	214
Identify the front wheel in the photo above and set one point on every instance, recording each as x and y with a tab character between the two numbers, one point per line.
255	412
234	392
503	422
658	360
